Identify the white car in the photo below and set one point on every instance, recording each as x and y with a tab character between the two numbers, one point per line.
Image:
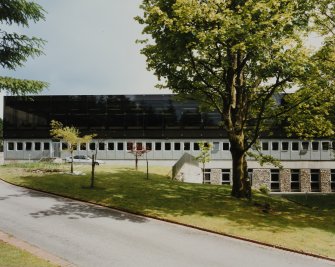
83	159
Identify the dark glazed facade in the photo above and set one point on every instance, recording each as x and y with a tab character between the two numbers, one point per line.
110	116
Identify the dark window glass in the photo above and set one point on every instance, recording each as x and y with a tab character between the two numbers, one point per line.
46	146
325	146
64	146
225	176
315	146
196	146
167	146
37	146
119	146
83	146
295	180
148	146
102	146
10	146
265	146
315	180
225	146
177	146
295	146
110	146
29	146
284	146
207	176
275	180
19	146
130	146
158	146
187	146
275	146
305	145
92	146
332	180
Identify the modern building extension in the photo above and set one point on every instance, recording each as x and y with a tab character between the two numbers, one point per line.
169	128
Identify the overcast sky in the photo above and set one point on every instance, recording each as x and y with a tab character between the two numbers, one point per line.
90	49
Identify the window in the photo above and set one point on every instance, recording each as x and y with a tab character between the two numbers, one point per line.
29	146
275	180
139	146
10	146
101	146
315	146
295	146
216	146
225	146
315	180
158	146
110	145
275	146
225	176
64	146
332	179
119	146
295	181
167	146
325	146
284	146
305	145
129	146
265	146
187	146
83	146
148	146
207	176
19	146
92	146
46	146
177	146
196	146
37	146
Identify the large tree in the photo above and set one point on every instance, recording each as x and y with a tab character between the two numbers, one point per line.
16	48
237	56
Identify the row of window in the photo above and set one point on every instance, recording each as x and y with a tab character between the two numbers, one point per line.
295	180
28	146
296	145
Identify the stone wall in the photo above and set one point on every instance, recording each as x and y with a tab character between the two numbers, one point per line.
216	176
305	180
325	180
261	177
285	180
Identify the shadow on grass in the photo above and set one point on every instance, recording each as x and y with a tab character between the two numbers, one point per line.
164	198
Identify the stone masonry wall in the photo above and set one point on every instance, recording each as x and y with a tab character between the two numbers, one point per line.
285	180
325	180
261	177
305	180
216	176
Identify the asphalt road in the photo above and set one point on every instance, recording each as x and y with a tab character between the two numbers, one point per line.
87	235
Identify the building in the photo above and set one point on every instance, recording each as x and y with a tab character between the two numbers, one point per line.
168	128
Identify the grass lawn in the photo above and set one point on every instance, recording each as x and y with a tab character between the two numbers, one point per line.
286	223
13	257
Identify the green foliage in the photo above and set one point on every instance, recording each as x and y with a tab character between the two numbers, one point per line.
238	56
205	152
15	49
264	189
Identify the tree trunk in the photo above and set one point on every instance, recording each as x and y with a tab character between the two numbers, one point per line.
241	184
71	161
136	161
93	167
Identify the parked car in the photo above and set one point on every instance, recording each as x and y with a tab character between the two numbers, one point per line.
83	159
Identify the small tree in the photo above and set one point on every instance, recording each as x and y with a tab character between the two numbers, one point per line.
204	156
70	135
139	151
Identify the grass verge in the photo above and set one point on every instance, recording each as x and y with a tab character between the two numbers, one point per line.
11	256
272	220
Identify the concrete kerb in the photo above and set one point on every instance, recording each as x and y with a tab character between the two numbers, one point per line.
40	253
180	224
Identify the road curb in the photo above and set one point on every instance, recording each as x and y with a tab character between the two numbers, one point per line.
36	251
177	223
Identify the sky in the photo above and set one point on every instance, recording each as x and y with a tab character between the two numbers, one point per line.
90	49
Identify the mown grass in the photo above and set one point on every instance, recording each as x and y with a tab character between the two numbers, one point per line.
11	256
273	220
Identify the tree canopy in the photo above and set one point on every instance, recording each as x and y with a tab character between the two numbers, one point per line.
240	57
15	48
